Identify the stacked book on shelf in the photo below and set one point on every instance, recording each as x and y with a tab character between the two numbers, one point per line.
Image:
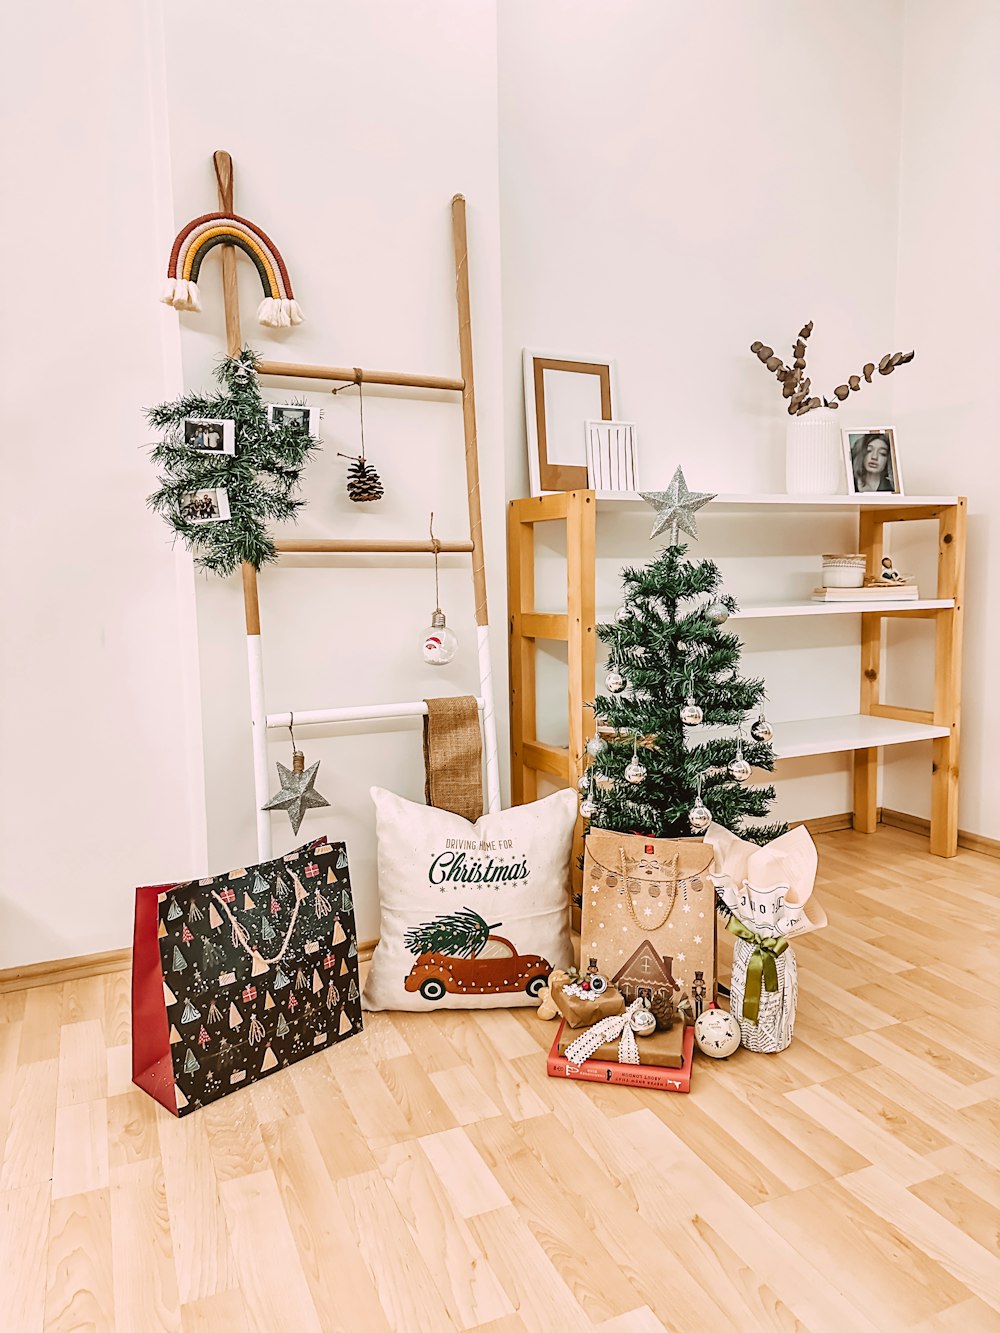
871	592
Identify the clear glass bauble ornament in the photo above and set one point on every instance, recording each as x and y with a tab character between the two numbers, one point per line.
588	808
604	782
635	773
614	682
691	714
762	730
739	769
699	816
596	746
716	613
440	644
642	1023
583	782
623	613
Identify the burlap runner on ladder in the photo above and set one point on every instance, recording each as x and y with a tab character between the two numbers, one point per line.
453	756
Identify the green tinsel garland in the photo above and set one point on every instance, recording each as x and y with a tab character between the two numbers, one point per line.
259	481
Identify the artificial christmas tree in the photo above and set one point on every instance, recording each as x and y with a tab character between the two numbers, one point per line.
671	670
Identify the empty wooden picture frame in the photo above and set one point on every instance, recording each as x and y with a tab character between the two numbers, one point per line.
561	393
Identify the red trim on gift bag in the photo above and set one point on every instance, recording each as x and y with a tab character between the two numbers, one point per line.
152	1064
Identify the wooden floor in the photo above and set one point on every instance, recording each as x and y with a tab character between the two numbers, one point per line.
429	1176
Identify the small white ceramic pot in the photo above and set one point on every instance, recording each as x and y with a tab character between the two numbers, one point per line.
843	571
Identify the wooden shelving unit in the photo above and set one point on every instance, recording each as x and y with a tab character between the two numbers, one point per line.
875	725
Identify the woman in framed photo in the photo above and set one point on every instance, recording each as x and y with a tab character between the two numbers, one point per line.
872	463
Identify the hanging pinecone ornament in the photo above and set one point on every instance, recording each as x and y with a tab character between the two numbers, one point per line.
363	482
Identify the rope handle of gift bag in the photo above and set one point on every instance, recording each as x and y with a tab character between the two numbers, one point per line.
674	881
239	933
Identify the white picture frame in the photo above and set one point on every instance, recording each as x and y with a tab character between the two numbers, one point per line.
208	504
611	456
209	435
562	391
284	414
877	445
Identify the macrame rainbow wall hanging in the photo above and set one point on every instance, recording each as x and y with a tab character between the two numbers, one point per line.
279	307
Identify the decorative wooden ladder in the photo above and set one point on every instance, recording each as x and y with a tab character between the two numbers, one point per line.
261	720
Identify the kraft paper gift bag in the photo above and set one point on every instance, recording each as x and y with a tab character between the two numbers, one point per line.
768	891
649	916
238	976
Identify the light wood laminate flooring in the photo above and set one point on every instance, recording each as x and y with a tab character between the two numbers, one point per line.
429	1176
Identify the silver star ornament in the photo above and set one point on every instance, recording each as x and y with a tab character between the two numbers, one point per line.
676	507
297	794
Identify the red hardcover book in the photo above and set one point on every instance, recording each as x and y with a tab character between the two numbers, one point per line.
634	1076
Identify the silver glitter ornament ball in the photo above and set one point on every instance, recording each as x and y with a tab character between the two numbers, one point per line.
699	816
596	746
716	613
614	682
739	769
635	773
588	808
623	613
691	714
762	730
583	782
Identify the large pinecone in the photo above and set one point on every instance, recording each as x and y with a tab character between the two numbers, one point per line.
363	482
662	1006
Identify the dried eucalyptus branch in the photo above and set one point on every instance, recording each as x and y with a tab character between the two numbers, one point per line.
796	384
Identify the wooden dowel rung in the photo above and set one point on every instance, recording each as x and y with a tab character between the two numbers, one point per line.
294	370
337	545
540	625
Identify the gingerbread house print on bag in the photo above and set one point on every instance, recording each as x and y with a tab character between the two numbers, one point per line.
646	974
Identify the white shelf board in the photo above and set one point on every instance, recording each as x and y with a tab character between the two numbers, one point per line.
772	610
733	501
780	609
833	735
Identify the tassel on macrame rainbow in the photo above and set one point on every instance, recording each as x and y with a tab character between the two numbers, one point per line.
277	310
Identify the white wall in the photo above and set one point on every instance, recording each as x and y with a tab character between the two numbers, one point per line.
97	793
669	183
676	181
947	296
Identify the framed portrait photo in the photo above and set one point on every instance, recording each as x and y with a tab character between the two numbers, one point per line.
296	415
210	435
871	462
562	392
205	506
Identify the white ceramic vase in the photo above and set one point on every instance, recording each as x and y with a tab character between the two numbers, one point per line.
813	460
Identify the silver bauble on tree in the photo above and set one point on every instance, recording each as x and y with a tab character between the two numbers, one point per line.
716	613
588	808
635	772
596	746
699	816
691	714
614	682
762	730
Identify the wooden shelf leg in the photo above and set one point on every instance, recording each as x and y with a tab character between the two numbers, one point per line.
948	682
871	540
581	533
521	599
865	790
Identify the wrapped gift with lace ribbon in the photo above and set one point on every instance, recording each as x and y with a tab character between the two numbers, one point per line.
767	894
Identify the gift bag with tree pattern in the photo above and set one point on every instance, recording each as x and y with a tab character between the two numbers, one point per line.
239	976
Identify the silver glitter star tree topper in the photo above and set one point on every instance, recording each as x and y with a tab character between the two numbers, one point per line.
675	507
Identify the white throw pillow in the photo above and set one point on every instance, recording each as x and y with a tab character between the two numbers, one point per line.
474	916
